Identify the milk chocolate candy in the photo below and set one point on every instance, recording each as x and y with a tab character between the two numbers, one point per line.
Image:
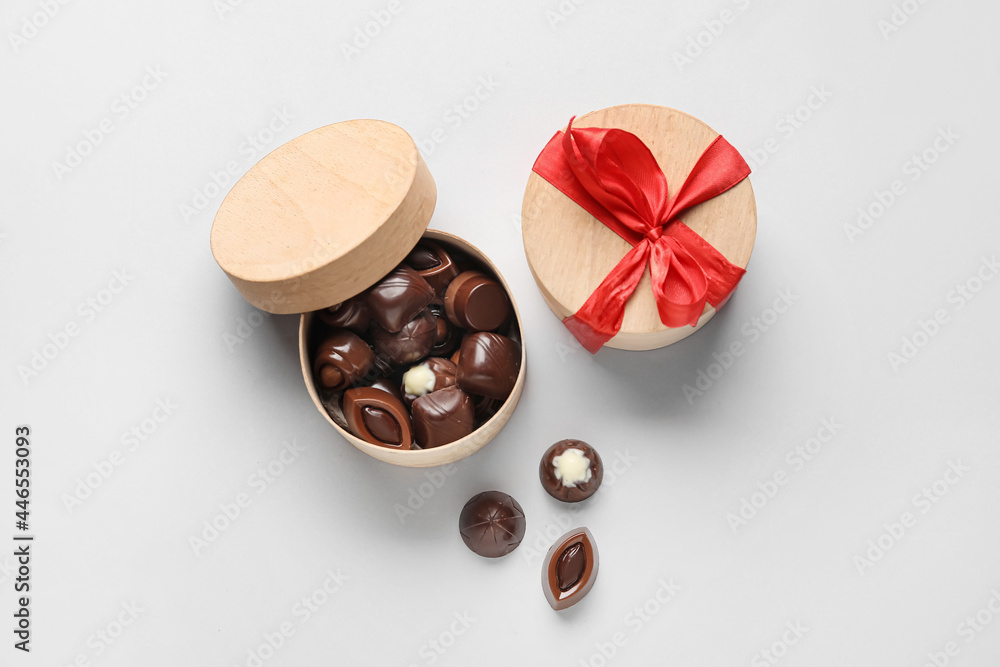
571	471
569	569
377	417
397	298
488	364
442	416
431	374
342	360
412	342
352	314
434	265
492	524
476	302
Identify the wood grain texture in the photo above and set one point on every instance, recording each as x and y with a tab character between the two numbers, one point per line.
324	216
570	252
424	458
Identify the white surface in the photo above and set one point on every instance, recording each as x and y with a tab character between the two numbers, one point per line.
681	468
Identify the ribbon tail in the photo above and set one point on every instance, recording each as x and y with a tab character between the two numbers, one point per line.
600	317
680	284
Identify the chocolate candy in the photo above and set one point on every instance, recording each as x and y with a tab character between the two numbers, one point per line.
377	417
430	375
492	524
476	302
443	416
569	569
488	364
447	337
434	265
412	342
388	386
352	314
397	298
342	360
571	471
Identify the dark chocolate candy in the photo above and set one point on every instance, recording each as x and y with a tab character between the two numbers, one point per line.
431	374
342	360
378	417
434	264
447	337
476	302
442	416
571	471
488	364
397	298
389	386
352	314
492	524
412	342
569	569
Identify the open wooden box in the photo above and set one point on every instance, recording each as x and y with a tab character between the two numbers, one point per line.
322	218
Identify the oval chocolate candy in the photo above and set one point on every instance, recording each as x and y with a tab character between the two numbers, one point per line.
569	569
378	417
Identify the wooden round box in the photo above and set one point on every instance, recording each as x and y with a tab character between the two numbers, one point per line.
322	218
570	252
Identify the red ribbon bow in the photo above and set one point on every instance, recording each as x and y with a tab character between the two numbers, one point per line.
613	175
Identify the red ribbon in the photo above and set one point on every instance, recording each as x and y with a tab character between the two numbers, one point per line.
612	175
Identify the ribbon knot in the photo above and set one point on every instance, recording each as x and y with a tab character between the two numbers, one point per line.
613	175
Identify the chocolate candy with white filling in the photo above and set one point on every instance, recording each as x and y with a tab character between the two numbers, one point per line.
412	342
429	375
442	417
434	264
492	524
571	471
476	302
569	569
488	364
398	297
377	417
342	360
352	314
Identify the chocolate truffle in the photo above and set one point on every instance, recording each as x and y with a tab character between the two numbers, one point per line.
492	524
443	416
342	360
430	375
488	364
352	314
569	569
397	298
571	471
412	342
476	302
434	265
377	417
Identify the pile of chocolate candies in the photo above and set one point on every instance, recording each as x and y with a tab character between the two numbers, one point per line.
423	357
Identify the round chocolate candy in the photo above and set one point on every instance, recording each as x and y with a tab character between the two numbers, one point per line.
352	314
378	417
488	364
442	416
477	302
430	375
342	360
397	298
571	471
492	524
412	342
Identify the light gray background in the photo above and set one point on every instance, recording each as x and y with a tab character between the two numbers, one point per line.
684	466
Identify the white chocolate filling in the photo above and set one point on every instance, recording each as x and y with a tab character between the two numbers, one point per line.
419	380
572	467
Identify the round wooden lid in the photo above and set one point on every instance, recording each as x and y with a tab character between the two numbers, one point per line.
324	216
570	252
